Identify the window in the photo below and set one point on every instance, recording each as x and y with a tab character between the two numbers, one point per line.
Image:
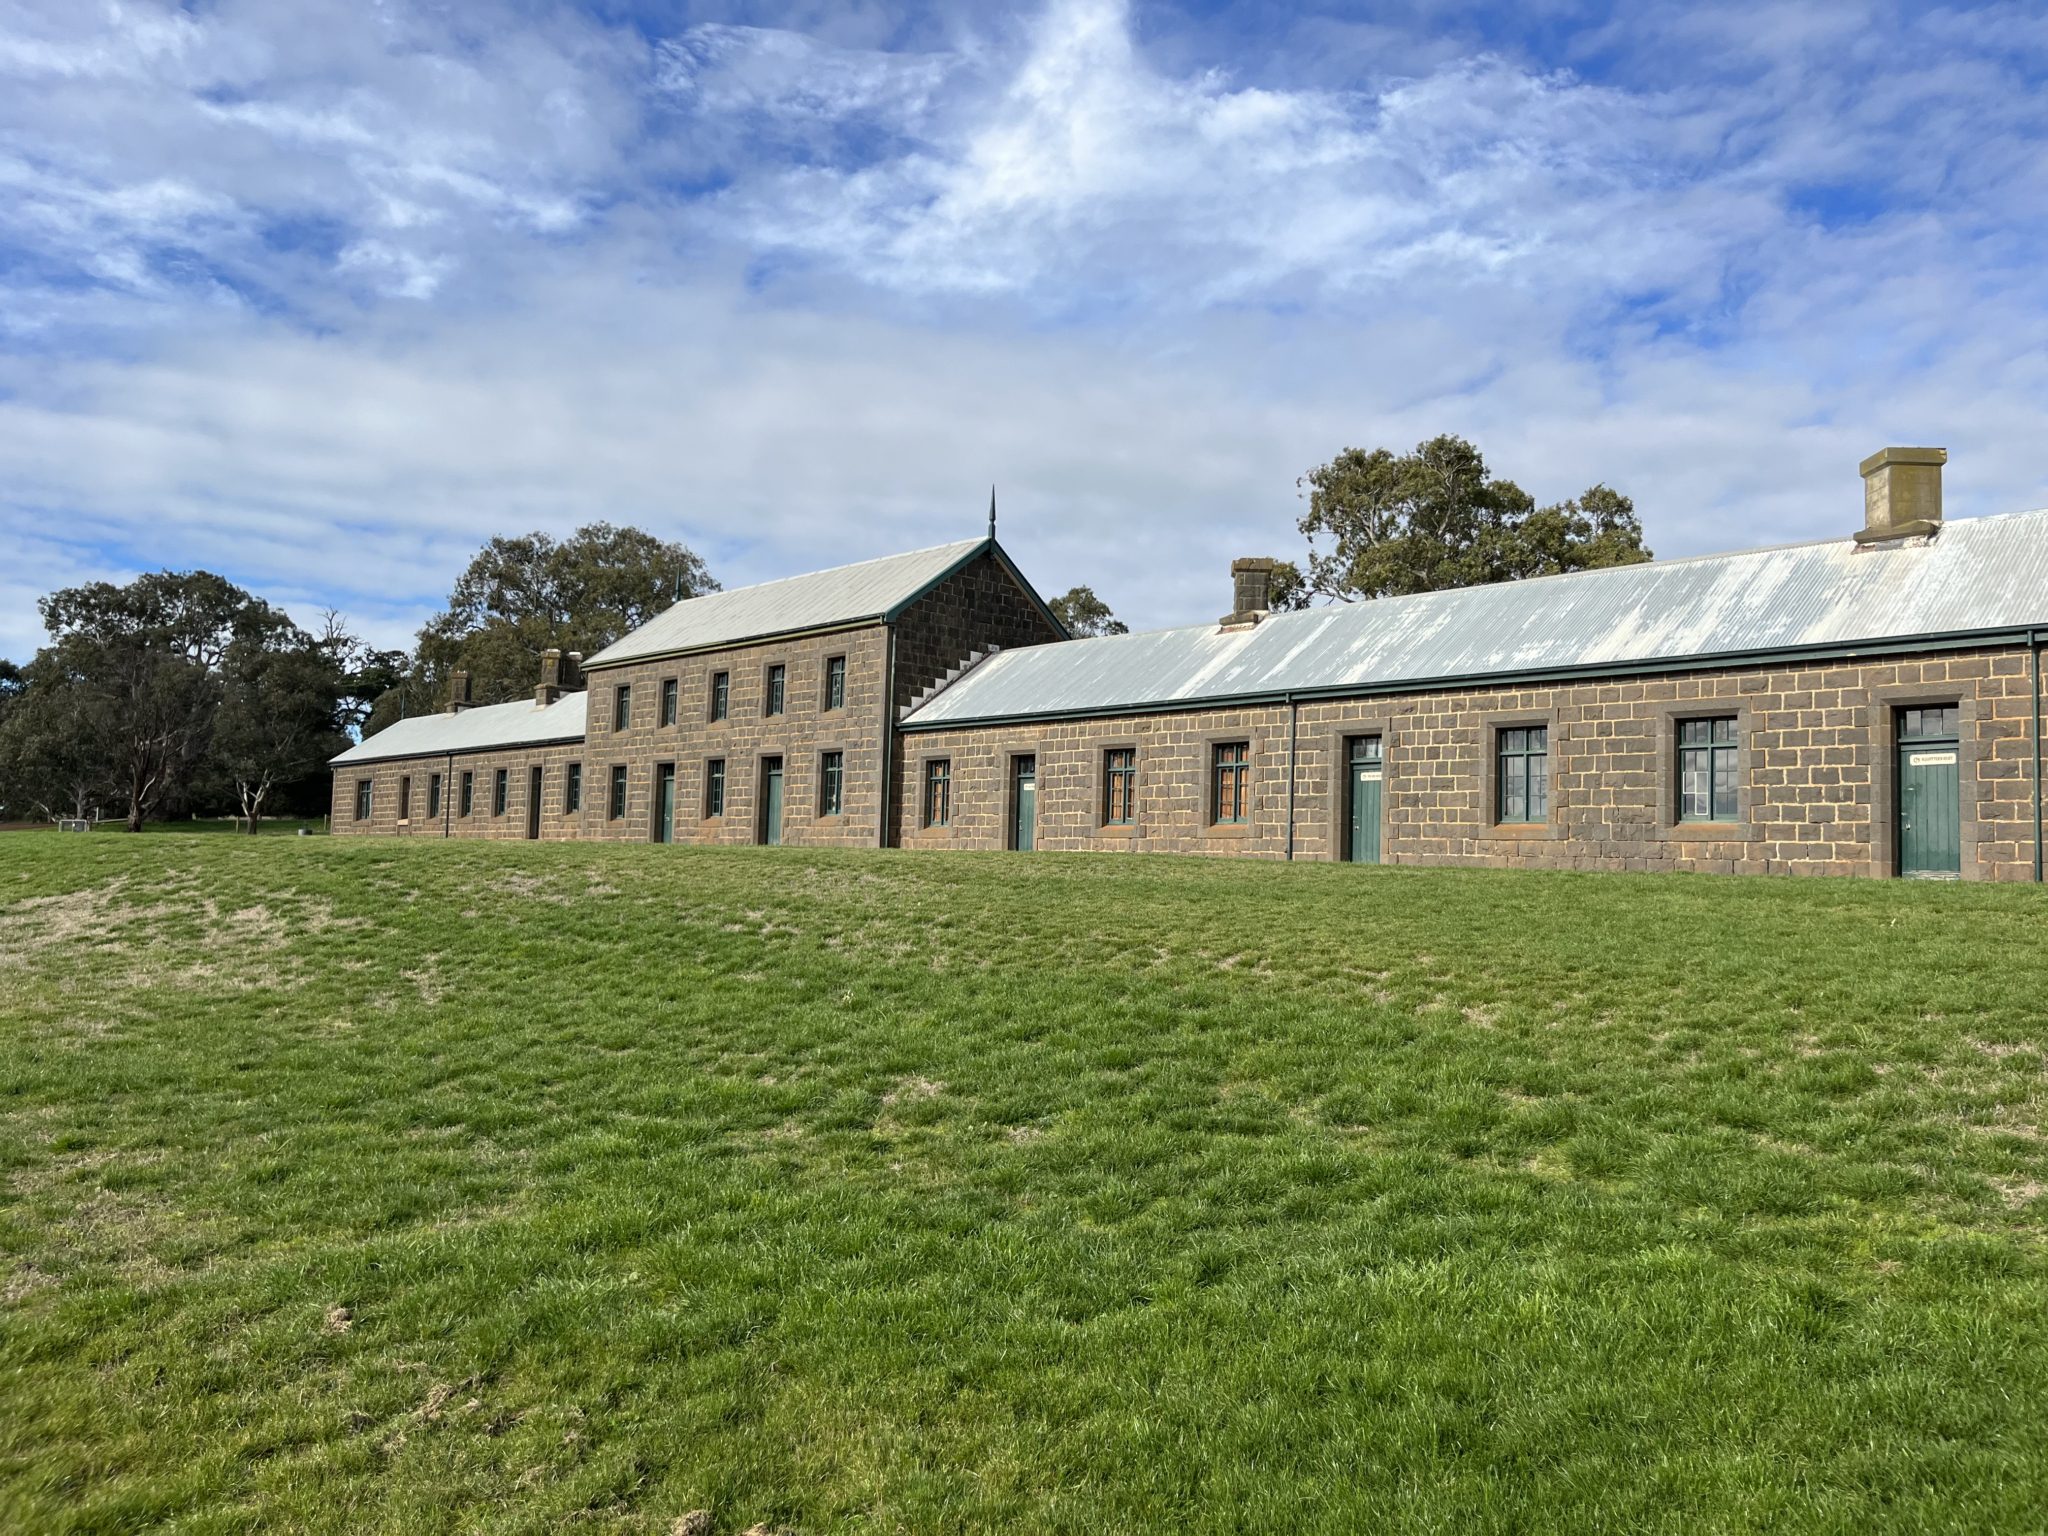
831	783
616	811
1707	770
721	694
1930	722
433	795
835	683
622	706
938	792
362	799
1524	753
1229	782
468	791
668	702
572	790
499	786
714	788
1120	783
405	798
778	677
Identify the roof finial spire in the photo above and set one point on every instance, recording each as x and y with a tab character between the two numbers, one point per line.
991	513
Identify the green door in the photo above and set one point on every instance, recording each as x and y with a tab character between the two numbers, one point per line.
1024	800
1362	846
1930	795
665	804
771	802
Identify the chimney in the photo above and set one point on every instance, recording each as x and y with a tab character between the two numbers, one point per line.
550	688
572	671
1901	493
458	691
1251	583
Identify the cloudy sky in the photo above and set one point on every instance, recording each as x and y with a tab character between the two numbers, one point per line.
322	293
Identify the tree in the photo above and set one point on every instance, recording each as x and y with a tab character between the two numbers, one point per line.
11	685
521	596
1085	615
135	670
279	713
1435	519
55	758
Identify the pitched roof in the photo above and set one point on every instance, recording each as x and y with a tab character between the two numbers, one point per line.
519	724
873	589
1977	575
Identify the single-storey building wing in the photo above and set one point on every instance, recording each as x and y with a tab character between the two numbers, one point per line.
1867	705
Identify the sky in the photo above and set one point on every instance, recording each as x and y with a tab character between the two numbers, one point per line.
322	294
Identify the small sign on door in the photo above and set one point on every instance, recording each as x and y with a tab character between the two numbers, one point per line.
1930	759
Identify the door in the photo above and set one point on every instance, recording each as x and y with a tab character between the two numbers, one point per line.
771	801
532	803
1024	804
665	803
1362	844
1930	796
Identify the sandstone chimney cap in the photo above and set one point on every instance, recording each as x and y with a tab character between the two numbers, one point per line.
1885	457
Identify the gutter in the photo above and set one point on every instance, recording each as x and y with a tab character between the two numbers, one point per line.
1959	640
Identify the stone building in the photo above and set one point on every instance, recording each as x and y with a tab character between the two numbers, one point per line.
1868	705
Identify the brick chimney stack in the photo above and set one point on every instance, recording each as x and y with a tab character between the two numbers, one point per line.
1901	494
550	688
458	691
1251	583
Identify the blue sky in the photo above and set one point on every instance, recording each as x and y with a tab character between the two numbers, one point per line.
321	294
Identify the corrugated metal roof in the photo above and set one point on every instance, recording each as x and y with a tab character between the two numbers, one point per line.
1987	573
519	724
823	598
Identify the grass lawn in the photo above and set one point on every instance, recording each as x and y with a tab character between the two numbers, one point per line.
361	1185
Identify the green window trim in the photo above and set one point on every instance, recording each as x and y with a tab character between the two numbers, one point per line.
501	791
433	795
721	695
405	798
938	792
1230	784
776	694
1709	770
615	810
572	789
1930	722
669	693
622	707
835	683
714	789
831	783
362	799
1366	749
1522	760
467	802
1120	786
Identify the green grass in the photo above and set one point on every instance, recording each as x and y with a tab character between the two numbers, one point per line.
363	1185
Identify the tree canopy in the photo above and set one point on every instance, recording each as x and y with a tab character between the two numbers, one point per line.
1436	518
1085	615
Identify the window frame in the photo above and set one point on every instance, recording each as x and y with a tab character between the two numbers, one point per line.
835	685
718	706
775	691
467	799
1713	750
714	789
622	707
671	701
1241	770
366	799
1119	776
1524	755
572	789
938	774
618	793
433	795
405	799
832	782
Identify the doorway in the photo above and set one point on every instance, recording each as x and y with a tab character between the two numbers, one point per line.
1930	809
1024	803
1362	817
665	803
771	801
